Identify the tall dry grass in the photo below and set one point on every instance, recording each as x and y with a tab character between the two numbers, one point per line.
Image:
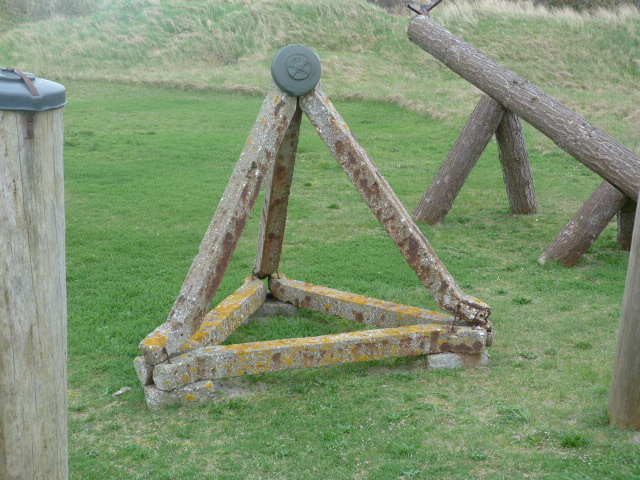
588	60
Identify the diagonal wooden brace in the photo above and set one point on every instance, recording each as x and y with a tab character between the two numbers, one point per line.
227	225
474	138
389	210
276	202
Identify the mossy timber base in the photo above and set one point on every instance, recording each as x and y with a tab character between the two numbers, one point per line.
193	377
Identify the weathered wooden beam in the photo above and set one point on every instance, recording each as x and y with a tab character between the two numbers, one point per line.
232	312
624	396
275	355
516	169
585	142
626	217
474	138
33	295
351	306
223	234
586	226
276	202
389	210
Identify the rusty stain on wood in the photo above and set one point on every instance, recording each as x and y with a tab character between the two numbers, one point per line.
221	238
389	210
271	356
276	202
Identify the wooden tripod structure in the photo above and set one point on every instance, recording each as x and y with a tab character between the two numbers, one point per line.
183	356
508	98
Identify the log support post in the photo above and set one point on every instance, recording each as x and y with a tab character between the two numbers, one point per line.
516	168
626	217
586	226
33	294
439	198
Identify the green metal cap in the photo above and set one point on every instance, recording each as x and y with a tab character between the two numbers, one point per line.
26	92
296	69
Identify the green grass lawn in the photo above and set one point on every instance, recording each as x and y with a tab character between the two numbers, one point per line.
145	169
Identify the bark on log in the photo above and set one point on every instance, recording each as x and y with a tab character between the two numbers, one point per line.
626	217
516	169
33	297
455	170
624	396
586	226
389	210
585	142
225	230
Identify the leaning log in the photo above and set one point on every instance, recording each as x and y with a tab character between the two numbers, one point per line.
586	226
223	234
624	397
474	138
516	168
579	138
389	210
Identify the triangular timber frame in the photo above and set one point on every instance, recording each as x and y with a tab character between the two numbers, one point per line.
184	352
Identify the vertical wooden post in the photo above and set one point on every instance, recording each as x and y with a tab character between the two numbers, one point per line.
626	224
455	170
624	397
516	168
33	298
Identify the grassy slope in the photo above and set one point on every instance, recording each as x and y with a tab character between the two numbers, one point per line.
588	61
145	167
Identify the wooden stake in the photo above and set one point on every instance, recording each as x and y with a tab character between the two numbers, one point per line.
586	226
516	168
455	170
33	297
624	397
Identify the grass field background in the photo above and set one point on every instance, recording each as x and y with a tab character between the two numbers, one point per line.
150	142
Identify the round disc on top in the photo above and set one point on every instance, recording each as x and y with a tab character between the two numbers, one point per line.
296	69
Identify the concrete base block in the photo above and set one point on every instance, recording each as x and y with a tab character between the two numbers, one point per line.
194	393
451	361
273	308
144	370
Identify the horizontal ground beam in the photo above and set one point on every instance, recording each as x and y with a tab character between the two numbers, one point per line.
351	306
260	357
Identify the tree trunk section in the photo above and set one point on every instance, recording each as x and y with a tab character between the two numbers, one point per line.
33	297
439	198
516	168
626	224
587	143
586	226
624	397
